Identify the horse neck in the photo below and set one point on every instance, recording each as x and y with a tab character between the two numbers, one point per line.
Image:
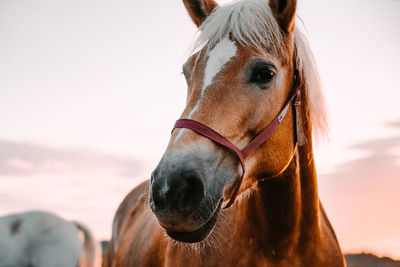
283	212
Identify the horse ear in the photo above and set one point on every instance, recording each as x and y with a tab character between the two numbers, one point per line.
199	9
284	12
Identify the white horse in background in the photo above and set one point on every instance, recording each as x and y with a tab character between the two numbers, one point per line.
41	239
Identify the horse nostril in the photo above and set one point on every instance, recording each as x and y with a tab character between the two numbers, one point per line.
192	194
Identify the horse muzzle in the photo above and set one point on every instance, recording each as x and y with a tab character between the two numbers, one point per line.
186	193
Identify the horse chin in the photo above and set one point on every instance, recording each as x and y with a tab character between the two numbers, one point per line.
201	233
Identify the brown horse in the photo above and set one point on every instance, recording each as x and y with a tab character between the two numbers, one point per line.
249	68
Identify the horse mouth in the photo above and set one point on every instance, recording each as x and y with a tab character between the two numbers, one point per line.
199	234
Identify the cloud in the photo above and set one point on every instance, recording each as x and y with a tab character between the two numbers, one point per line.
17	158
380	145
393	124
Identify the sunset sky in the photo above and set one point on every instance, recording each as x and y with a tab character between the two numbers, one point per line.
89	91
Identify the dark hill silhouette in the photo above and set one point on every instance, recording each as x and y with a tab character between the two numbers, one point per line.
369	260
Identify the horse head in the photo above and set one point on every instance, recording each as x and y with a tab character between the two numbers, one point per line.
239	79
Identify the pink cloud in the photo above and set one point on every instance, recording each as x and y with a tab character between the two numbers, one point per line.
17	163
18	158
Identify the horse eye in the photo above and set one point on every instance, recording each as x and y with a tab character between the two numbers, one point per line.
262	77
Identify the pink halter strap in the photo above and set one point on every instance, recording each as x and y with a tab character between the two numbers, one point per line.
206	131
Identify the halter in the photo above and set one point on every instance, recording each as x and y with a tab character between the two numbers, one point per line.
257	141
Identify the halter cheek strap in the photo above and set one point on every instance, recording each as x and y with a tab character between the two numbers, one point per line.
206	131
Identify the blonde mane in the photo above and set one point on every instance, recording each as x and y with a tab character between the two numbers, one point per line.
252	24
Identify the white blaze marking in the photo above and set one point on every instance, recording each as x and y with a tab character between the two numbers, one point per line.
217	59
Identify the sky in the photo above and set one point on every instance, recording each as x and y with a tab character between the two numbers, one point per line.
89	91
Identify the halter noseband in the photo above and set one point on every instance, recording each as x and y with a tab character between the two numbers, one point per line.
257	141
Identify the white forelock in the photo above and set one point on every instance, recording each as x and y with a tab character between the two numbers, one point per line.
248	22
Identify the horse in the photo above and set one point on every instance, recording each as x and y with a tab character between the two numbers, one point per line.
42	239
237	184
